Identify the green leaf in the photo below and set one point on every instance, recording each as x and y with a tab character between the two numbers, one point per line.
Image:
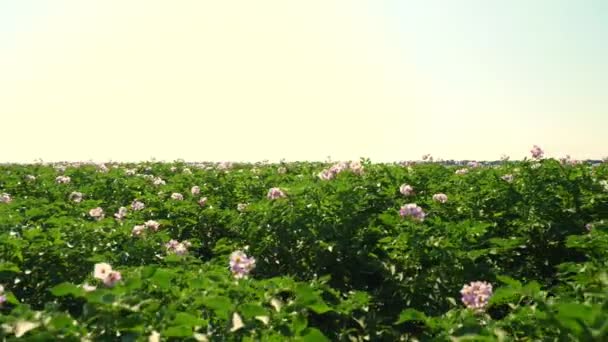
411	315
221	305
186	319
504	295
65	289
307	297
162	278
9	267
299	323
177	331
313	335
250	310
133	284
509	281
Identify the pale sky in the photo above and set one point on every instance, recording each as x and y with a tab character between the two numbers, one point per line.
129	80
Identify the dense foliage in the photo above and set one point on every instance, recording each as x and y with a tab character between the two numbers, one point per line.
304	251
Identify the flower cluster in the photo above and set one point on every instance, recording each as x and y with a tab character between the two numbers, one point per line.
121	214
76	197
137	205
332	172
141	228
507	178
569	161
5	198
282	170
158	181
177	196
275	193
130	172
461	171
176	247
102	168
2	295
476	295
412	210
537	152
104	272
240	264
30	178
196	190
473	164
441	198
406	190
202	202
63	179
241	207
97	213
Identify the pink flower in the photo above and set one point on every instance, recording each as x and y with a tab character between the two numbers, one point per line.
476	295
195	190
138	230
326	175
412	210
177	196
112	278
240	264
137	205
275	193
152	225
176	247
202	201
473	164
63	179
96	213
356	167
76	196
537	152
2	295
406	190
441	198
121	214
5	198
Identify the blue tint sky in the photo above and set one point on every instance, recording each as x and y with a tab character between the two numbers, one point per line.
388	80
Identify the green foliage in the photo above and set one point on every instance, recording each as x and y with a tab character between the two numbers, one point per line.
334	260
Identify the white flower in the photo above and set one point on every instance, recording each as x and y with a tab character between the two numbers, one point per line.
154	337
102	270
96	213
177	196
237	322
5	198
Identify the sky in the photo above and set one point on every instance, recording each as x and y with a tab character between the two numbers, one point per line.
390	80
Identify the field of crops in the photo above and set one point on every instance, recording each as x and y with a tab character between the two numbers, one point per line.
304	251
